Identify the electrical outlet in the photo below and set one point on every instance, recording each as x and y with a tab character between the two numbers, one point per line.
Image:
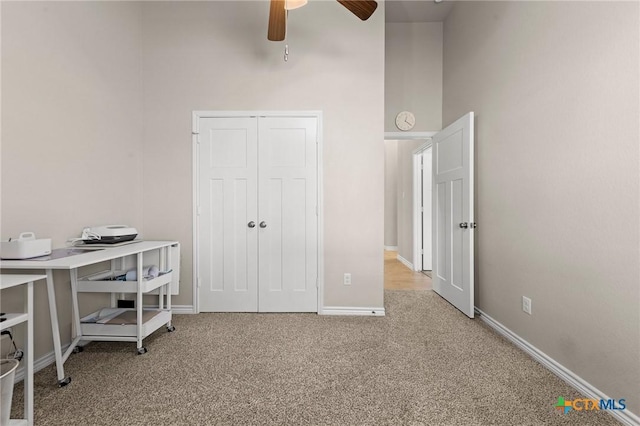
347	279
526	305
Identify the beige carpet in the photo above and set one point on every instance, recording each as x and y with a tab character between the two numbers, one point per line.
424	363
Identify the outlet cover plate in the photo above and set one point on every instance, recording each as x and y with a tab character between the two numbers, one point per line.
526	305
347	279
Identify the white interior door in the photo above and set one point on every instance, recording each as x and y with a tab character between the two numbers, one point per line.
227	243
288	233
453	216
427	243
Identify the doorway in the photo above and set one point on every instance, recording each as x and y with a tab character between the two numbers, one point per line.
452	219
403	240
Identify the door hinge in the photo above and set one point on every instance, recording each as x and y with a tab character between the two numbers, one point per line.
317	283
199	210
199	282
421	251
316	210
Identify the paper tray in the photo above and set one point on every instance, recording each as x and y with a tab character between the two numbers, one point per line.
122	322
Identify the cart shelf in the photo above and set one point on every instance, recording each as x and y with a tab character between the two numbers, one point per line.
99	283
152	319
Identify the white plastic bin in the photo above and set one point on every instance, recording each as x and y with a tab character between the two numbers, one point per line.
7	375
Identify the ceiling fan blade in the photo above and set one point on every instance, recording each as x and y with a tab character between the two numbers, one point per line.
363	9
277	21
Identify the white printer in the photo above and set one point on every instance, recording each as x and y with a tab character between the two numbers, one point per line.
108	234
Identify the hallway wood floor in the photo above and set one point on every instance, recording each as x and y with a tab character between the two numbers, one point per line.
398	277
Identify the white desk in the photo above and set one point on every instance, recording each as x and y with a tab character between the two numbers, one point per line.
90	257
8	281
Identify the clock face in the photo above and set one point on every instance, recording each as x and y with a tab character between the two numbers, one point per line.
405	121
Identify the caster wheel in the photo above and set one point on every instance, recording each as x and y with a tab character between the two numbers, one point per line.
142	351
64	382
78	349
171	329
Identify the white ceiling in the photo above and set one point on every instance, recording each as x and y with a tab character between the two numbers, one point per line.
416	10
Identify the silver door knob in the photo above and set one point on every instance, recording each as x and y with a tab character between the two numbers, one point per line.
251	224
464	225
263	224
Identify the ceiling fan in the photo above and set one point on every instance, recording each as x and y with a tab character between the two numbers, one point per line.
363	9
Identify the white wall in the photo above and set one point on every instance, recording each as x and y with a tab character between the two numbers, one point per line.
555	86
413	74
215	56
71	130
391	193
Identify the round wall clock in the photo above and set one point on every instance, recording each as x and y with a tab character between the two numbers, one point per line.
405	121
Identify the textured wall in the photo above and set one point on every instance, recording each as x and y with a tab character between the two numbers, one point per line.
413	74
555	89
71	131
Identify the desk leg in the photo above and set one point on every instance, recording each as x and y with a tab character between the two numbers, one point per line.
28	374
163	267
55	330
141	349
170	327
73	275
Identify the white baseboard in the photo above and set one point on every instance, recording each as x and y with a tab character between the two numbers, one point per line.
625	417
405	262
343	310
183	309
391	248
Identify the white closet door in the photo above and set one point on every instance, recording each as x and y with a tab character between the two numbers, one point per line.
288	233
228	257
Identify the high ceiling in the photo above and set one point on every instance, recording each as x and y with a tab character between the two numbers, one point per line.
416	10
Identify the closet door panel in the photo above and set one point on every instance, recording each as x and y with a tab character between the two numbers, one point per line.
287	201
228	257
